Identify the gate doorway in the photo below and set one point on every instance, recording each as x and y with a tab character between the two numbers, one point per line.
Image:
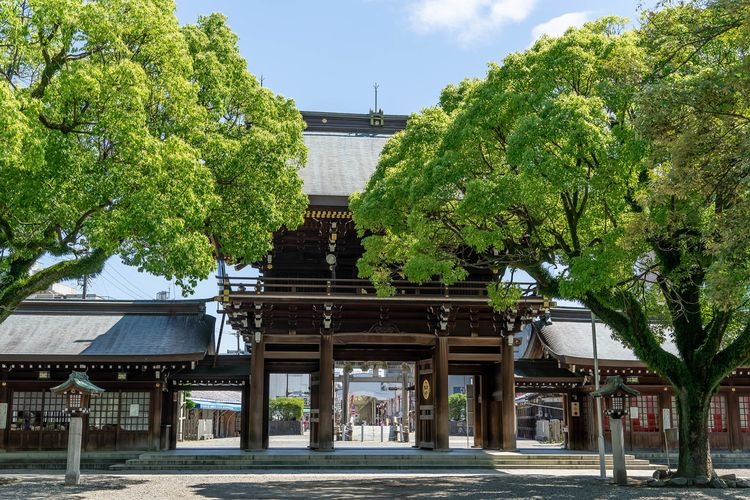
289	410
209	418
374	404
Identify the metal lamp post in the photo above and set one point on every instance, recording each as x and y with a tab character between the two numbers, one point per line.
617	393
78	390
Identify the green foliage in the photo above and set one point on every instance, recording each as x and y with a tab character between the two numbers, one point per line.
286	408
612	167
457	406
122	133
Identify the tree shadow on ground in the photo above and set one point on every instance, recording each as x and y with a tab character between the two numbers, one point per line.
464	487
45	487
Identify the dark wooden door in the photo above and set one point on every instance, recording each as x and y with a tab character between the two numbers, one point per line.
314	410
426	397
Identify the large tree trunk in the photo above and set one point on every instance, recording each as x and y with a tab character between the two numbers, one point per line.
693	404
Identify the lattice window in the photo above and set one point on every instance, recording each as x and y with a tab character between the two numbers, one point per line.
744	402
104	411
717	414
54	417
648	410
26	410
134	411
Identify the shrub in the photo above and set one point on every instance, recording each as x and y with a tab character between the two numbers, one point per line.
286	408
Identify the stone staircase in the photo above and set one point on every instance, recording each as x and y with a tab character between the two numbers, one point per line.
722	459
291	460
56	460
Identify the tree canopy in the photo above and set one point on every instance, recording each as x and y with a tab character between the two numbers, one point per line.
612	167
123	134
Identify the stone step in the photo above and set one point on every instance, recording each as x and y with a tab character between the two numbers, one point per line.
342	460
55	460
370	465
727	460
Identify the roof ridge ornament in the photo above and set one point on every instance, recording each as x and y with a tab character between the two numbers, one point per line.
377	119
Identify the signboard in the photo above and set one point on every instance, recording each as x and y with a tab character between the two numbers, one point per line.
666	418
3	415
575	409
135	409
633	412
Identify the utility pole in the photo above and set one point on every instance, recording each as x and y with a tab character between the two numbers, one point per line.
598	400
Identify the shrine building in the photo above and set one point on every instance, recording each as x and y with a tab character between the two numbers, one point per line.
304	310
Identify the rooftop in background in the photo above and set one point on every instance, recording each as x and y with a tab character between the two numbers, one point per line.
83	330
343	151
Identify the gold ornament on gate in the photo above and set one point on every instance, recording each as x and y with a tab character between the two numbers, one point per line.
426	389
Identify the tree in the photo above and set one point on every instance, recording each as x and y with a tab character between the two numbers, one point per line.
286	409
122	134
570	162
457	406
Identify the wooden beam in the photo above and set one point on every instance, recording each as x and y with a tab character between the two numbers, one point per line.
475	341
421	339
462	356
291	339
291	355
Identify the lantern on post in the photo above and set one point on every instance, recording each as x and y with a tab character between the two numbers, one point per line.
616	395
78	391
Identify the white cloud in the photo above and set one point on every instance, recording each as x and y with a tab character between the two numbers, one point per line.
558	25
467	20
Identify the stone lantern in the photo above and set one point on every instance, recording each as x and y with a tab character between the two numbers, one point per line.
616	395
78	391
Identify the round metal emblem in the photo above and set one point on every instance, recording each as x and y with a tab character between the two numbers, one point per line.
426	389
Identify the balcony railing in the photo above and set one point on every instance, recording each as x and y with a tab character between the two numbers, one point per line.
244	286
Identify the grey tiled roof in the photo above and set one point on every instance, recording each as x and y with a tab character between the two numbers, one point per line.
76	331
339	164
572	339
218	396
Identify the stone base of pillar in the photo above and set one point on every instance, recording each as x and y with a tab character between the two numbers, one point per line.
73	470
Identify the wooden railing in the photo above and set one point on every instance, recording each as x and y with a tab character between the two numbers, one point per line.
354	287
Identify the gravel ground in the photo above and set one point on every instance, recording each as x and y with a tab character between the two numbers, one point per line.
452	484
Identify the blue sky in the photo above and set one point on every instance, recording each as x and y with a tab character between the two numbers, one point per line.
327	55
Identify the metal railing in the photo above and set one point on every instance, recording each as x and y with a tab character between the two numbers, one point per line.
354	287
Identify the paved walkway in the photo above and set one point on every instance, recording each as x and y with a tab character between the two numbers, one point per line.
469	484
573	485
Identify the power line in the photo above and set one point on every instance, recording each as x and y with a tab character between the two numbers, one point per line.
128	289
127	281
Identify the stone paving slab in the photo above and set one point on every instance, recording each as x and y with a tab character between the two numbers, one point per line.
573	485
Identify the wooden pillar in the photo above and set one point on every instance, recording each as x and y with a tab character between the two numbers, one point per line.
325	398
509	395
245	416
173	395
345	395
257	382
579	437
440	365
417	397
491	415
665	402
4	412
566	419
733	423
156	419
478	413
266	388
